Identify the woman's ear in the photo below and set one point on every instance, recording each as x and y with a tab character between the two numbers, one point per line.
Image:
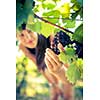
17	35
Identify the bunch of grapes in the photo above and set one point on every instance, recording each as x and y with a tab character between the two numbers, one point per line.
64	39
55	44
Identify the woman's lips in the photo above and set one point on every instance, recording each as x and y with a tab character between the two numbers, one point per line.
30	41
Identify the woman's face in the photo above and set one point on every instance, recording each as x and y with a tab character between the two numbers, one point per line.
28	39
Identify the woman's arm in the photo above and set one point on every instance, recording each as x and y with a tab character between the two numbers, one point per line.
27	53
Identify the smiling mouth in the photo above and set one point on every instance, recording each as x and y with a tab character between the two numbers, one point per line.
30	41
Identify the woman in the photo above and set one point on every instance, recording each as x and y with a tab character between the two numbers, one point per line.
34	46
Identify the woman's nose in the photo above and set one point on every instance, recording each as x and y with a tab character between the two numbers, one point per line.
28	36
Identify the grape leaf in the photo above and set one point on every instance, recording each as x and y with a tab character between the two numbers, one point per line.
49	4
78	34
30	19
73	1
23	10
63	57
80	2
69	23
77	1
52	16
79	62
76	6
74	15
46	29
65	10
69	51
79	65
81	13
36	27
73	74
54	13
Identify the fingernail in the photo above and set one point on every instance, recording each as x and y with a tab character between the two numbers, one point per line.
47	49
45	54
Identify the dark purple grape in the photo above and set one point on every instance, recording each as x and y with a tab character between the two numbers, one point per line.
79	49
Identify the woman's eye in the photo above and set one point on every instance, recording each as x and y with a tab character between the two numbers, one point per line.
29	31
22	35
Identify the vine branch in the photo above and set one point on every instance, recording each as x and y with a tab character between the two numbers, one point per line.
52	23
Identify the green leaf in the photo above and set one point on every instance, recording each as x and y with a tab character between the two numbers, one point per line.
78	34
36	27
63	57
79	65
56	0
30	19
53	20
79	62
52	16
81	13
80	2
49	4
65	10
76	7
22	11
77	1
69	51
73	1
74	15
28	5
54	13
69	23
46	29
73	74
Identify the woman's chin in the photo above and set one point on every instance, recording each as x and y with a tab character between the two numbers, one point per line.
31	46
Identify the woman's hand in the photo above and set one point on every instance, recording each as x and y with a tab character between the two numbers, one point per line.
52	61
54	65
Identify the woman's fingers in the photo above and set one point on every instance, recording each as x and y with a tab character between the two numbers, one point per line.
52	62
53	59
49	65
52	55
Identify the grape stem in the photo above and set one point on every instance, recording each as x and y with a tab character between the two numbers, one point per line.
46	21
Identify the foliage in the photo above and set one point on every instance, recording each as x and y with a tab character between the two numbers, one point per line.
75	69
78	35
23	10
